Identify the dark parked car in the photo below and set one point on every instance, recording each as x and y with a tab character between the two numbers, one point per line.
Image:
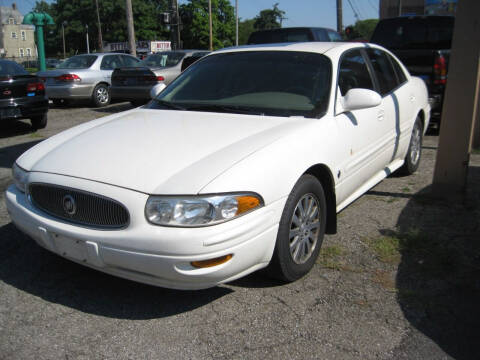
22	96
294	34
423	44
134	84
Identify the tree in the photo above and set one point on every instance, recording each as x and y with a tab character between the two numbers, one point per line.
78	13
195	20
245	28
269	19
364	28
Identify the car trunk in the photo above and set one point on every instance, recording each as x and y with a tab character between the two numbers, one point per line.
138	76
16	86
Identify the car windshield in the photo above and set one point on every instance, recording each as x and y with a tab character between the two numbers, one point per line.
277	83
8	68
78	62
164	59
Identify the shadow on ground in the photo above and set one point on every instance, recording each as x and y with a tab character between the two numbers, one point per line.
9	154
438	279
29	268
14	128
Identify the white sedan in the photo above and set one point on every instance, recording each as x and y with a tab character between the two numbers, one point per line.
241	163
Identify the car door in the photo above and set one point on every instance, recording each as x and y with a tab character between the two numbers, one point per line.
366	131
395	99
108	64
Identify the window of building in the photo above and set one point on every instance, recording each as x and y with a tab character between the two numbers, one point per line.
11	21
21	52
29	52
24	35
14	35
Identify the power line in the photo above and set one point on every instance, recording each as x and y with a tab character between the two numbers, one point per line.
374	7
360	13
353	9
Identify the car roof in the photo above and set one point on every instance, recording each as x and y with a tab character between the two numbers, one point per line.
311	46
294	28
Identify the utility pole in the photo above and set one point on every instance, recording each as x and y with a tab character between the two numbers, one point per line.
460	104
131	30
210	22
100	40
339	16
175	25
63	36
88	44
399	7
236	22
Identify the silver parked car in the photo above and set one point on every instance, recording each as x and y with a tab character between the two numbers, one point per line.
134	84
86	76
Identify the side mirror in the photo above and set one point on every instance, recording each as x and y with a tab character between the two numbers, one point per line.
356	99
157	89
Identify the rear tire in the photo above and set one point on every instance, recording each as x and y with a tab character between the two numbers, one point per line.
414	153
39	122
101	95
301	231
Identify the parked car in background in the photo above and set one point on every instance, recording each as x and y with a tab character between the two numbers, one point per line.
86	76
423	44
242	162
134	84
52	63
293	34
22	95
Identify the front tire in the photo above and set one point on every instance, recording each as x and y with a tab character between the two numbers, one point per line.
39	122
414	153
101	95
301	231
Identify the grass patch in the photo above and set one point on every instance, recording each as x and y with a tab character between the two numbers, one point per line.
331	257
476	151
406	189
387	248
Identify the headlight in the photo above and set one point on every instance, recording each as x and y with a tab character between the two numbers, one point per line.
19	177
192	211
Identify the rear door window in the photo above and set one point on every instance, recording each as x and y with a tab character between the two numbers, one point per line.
383	69
129	61
110	62
402	78
321	35
354	72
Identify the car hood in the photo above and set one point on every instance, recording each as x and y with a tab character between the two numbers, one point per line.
157	151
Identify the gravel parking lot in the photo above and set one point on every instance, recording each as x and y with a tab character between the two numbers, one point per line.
398	281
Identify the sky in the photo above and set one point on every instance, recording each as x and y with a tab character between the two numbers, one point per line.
298	12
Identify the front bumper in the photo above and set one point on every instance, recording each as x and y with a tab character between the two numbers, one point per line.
69	91
23	108
146	253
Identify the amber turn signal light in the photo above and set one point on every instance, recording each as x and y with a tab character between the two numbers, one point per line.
211	262
246	203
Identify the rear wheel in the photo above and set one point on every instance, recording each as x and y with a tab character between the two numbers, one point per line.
39	122
101	95
301	231
414	153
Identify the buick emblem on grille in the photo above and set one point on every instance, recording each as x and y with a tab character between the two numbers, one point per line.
69	205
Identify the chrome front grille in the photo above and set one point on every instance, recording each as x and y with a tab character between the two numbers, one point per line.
79	207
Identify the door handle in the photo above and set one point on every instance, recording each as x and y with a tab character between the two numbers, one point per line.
412	98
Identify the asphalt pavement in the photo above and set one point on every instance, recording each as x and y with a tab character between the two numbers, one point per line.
375	293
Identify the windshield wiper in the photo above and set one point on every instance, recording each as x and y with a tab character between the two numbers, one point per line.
226	109
169	105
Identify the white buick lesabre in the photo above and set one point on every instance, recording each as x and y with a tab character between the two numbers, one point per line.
241	163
